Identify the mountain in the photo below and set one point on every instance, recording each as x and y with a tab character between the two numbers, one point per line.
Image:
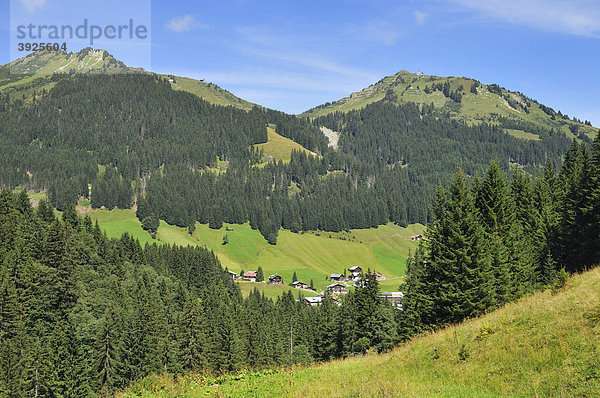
88	60
543	345
31	74
466	100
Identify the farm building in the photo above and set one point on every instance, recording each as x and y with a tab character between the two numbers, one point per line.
300	285
354	276
250	276
233	275
336	288
275	280
314	301
337	277
354	269
394	297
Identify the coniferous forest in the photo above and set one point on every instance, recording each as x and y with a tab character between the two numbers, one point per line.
137	141
83	315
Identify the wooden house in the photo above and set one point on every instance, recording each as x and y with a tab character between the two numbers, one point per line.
354	269
336	288
299	285
314	301
250	276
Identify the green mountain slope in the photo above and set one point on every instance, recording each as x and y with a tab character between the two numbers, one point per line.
543	345
30	76
478	103
208	92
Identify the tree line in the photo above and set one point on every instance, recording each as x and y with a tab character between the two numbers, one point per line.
492	240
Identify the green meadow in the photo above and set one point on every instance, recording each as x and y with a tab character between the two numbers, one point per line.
279	147
311	255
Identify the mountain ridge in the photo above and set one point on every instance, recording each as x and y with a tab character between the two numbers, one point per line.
32	73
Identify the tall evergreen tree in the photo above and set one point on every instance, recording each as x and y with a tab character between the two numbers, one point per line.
107	365
458	264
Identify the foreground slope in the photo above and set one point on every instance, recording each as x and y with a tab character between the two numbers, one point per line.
543	345
521	116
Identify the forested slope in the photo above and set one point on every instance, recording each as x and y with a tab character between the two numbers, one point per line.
81	314
137	141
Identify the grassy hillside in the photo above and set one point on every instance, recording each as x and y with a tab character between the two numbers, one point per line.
209	92
484	106
278	147
116	222
543	345
312	255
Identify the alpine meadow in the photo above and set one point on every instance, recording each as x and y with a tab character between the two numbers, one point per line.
162	235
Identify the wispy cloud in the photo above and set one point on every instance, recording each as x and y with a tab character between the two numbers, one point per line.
184	24
420	16
577	17
381	31
290	53
32	5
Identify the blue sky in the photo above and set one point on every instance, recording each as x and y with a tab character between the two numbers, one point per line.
292	55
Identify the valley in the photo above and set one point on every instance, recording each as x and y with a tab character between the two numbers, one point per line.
311	255
140	212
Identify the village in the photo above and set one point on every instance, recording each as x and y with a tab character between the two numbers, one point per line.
339	286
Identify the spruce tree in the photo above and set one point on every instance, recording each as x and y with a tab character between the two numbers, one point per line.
192	335
458	264
501	233
106	362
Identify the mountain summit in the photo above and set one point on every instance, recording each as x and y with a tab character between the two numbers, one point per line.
464	99
87	60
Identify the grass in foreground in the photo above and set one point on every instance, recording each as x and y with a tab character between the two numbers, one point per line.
543	345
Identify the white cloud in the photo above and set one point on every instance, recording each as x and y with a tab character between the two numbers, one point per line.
184	24
577	17
420	16
31	5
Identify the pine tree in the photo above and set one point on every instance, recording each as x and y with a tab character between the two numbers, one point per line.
417	310
259	275
592	209
192	335
574	252
497	215
458	267
107	365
